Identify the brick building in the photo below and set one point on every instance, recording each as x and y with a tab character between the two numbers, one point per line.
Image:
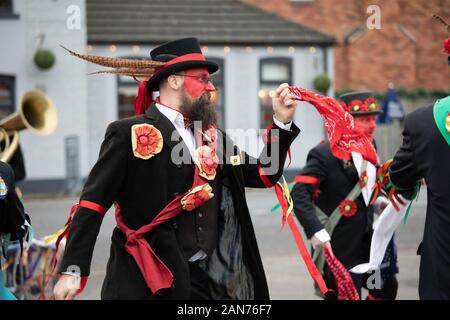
406	50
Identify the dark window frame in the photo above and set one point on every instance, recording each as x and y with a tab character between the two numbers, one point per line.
7	11
132	83
220	81
288	61
10	80
282	60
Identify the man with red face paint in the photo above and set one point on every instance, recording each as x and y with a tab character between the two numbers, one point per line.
178	183
333	202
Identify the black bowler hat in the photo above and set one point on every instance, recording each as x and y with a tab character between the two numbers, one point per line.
178	55
360	103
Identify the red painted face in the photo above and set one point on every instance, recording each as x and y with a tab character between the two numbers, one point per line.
196	82
366	124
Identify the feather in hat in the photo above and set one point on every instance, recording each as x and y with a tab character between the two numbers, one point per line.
126	67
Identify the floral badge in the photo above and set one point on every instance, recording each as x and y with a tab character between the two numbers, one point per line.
348	208
446	48
196	197
146	141
372	104
206	160
447	122
355	105
3	189
210	135
363	179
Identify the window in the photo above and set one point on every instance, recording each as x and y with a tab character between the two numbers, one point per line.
219	95
7	95
6	9
127	91
273	72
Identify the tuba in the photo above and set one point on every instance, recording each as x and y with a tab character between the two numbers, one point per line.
36	112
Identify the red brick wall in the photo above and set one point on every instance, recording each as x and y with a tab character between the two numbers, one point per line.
370	69
406	51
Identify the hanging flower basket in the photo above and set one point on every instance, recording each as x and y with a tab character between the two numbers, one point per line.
44	59
322	83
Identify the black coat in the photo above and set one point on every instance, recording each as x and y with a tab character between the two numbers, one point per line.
17	163
350	240
425	154
143	188
12	213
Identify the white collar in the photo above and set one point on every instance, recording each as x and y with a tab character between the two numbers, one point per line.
357	160
173	115
371	172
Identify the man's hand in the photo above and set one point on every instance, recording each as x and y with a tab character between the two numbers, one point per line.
316	242
66	288
380	204
283	104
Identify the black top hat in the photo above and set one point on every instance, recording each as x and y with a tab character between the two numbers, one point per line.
360	103
185	53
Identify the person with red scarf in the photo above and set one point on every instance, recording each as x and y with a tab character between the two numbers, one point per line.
183	225
333	202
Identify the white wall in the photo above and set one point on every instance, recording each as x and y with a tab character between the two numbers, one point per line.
65	83
13	47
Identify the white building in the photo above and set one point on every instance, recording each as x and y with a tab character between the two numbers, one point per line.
256	51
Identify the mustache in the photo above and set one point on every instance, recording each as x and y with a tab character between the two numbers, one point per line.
201	110
206	98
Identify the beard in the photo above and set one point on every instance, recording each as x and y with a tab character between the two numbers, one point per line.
199	109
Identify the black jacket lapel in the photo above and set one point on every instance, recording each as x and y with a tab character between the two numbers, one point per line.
350	170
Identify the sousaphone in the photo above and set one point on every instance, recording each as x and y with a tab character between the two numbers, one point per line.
36	112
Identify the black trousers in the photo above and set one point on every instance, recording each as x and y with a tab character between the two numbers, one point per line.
199	282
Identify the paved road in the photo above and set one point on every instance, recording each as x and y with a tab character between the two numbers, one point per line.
286	274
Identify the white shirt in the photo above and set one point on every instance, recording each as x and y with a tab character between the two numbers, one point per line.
371	175
186	134
178	122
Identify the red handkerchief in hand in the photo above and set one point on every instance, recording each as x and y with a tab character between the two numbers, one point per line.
343	136
344	283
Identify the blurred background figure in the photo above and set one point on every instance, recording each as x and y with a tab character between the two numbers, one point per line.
332	201
37	113
13	221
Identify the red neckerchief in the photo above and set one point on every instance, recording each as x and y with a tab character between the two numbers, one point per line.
187	120
344	137
156	274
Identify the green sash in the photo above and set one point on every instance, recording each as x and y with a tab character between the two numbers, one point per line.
441	113
331	221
